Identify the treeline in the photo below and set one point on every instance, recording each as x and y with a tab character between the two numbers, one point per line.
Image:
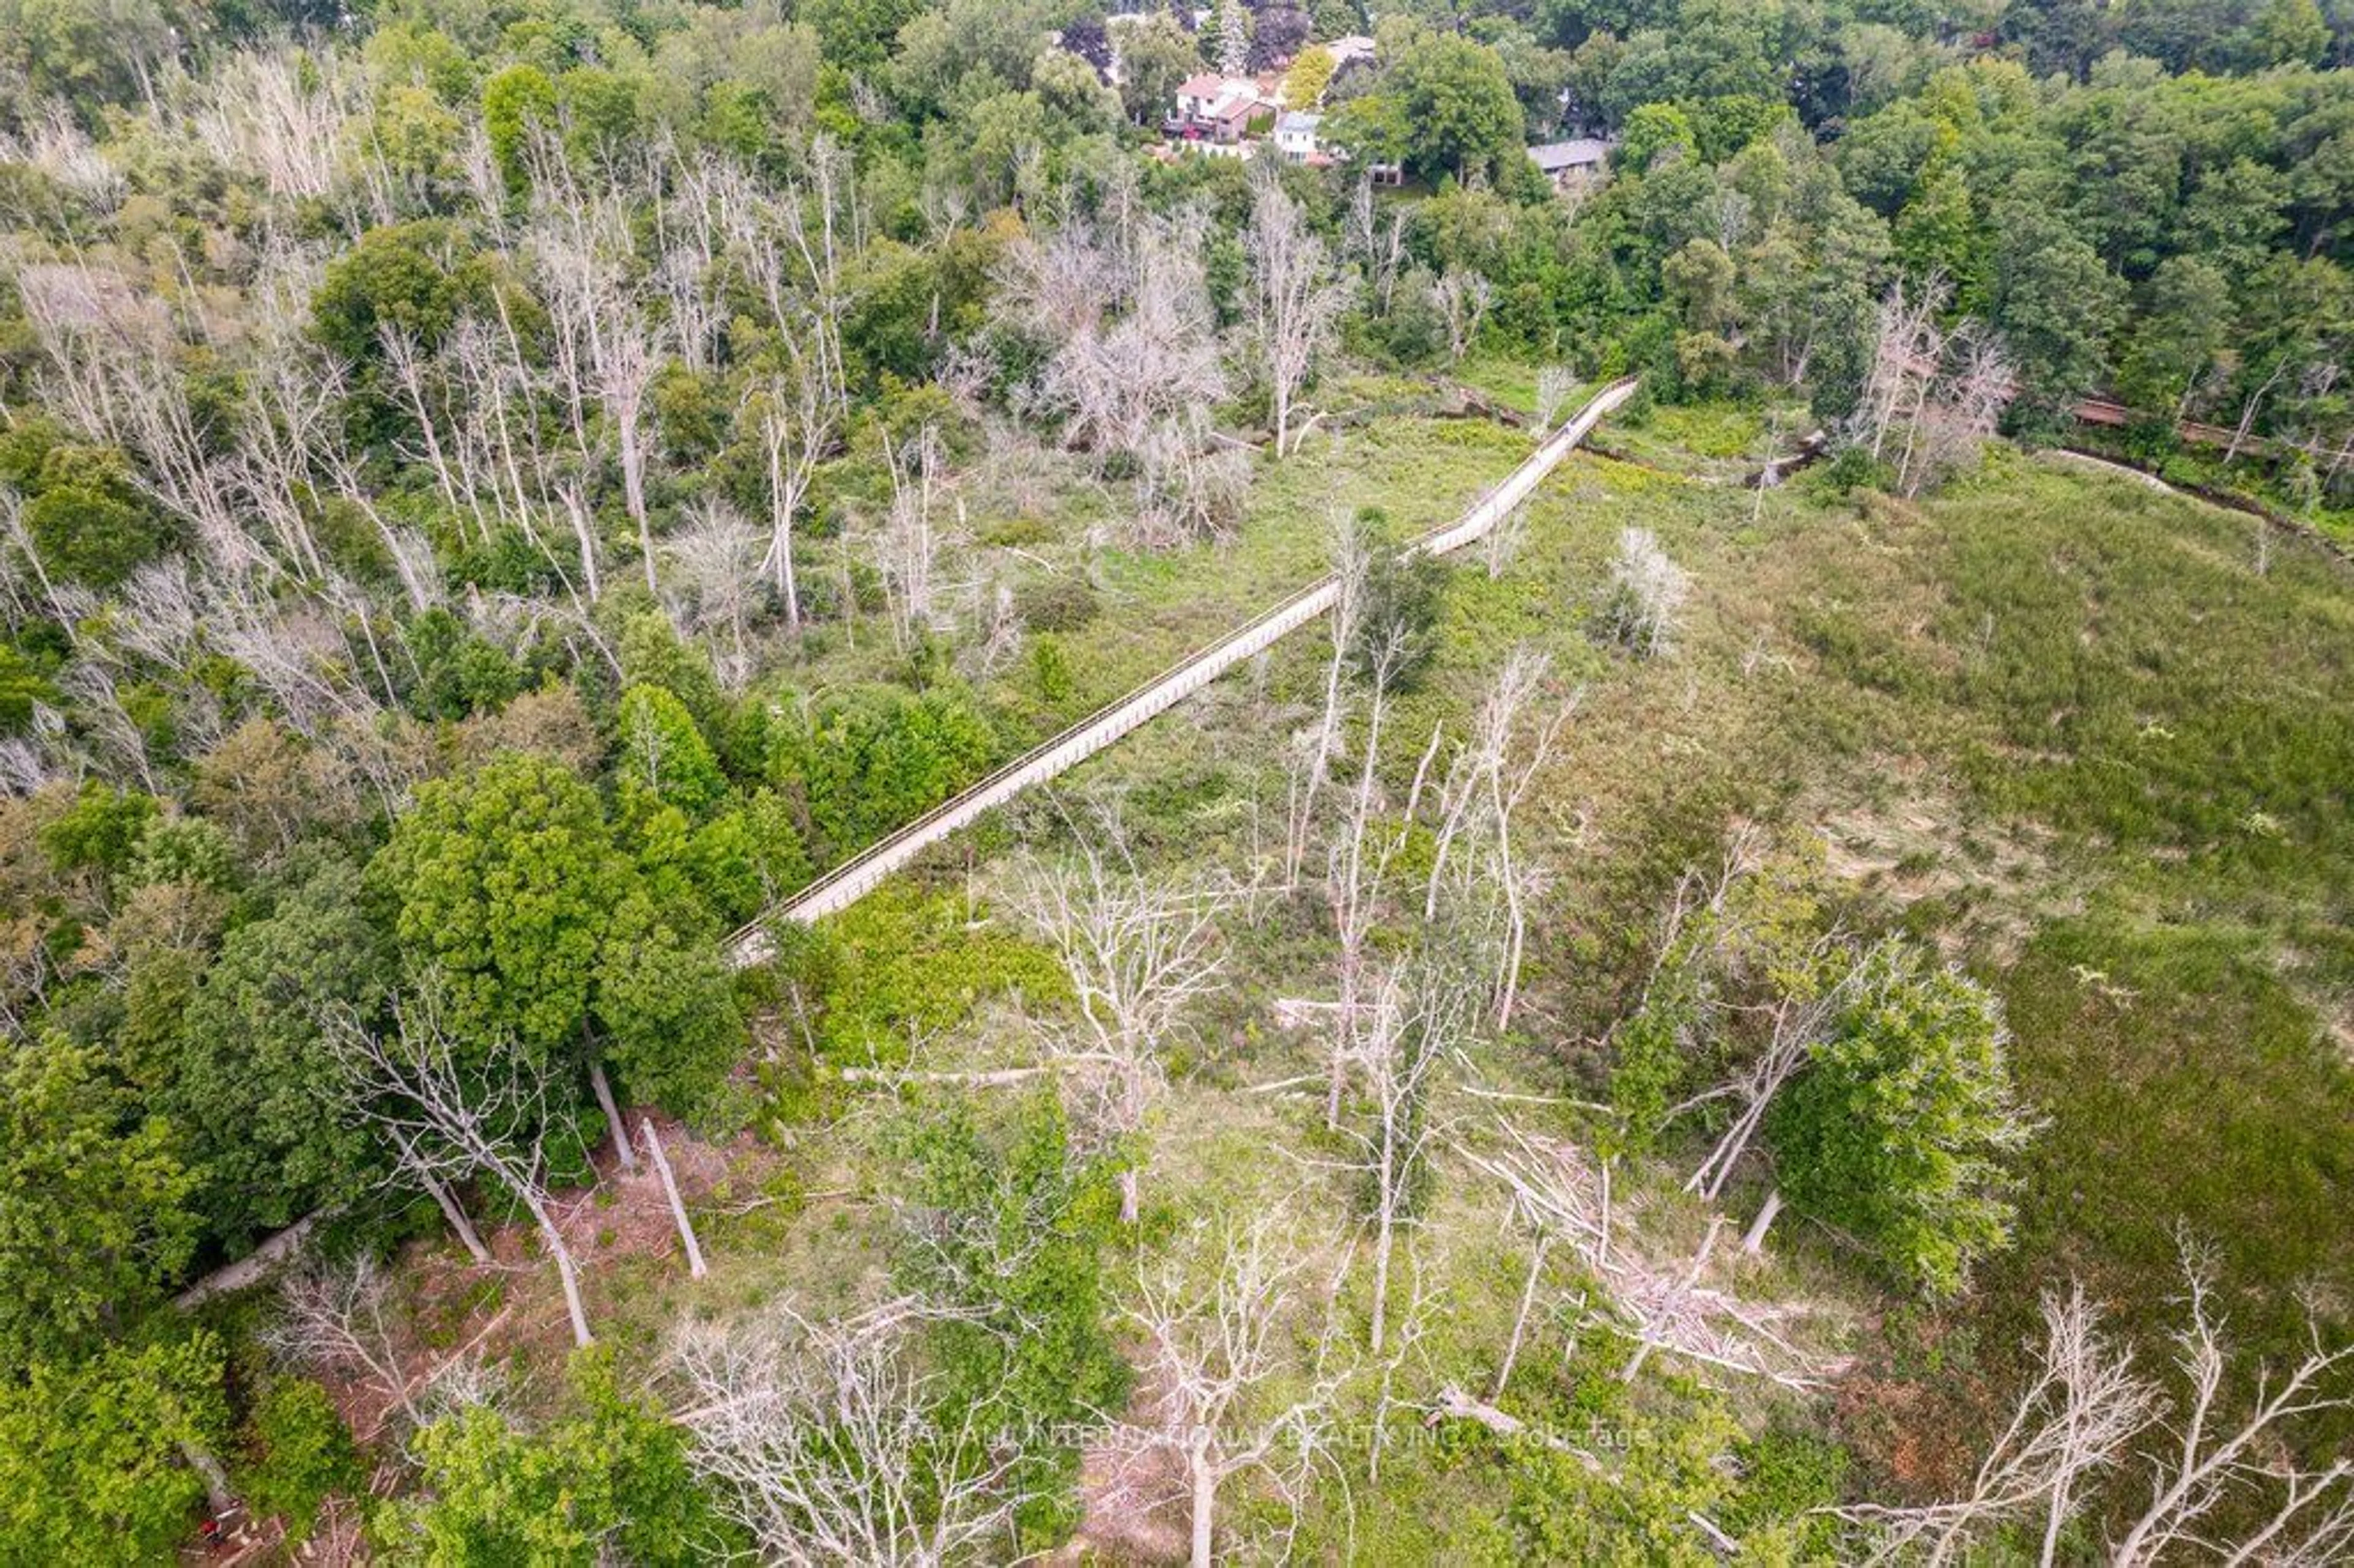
2178	240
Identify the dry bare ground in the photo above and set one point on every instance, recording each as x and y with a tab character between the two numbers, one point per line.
512	1310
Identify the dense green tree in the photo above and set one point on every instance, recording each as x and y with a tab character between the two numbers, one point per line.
602	113
653	655
100	832
880	756
93	52
415	278
957	48
2057	305
504	881
1716	49
251	1060
95	530
856	34
96	1225
1399	602
1076	99
2235	218
1156	54
1372	127
608	1479
457	671
668	1007
2063	36
94	1455
1895	1130
23	685
1457	103
662	759
1653	130
2187	326
188	849
1009	1228
518	103
1937	233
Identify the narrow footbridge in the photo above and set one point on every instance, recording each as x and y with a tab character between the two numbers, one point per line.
857	877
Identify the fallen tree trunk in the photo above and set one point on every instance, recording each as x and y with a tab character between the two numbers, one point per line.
677	1204
1810	450
253	1266
1455	1404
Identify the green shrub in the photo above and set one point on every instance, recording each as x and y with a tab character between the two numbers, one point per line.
301	1453
1061	604
898	963
877	756
1016	1225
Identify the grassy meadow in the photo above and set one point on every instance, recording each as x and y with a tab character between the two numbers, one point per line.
2093	741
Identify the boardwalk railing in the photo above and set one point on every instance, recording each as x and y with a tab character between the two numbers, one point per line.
857	877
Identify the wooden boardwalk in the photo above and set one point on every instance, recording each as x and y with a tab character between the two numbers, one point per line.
858	875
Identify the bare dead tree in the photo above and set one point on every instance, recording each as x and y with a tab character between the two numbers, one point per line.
1133	360
603	349
1463	298
2072	1421
1378	249
1939	395
49	138
1220	1318
1358	858
280	115
1352	559
1653	1293
999	637
687	1237
1297	299
1555	385
113	371
908	550
95	700
1500	543
2218	1448
1959	410
1139	953
1906	347
796	426
1062	280
2216	1459
1642	607
448	1120
2251	403
1416	1014
1424	1310
334	1317
1472	859
625	375
826	224
826	1444
716	562
1800	1022
693	313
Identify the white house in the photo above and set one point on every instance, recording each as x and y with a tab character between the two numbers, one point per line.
1295	136
1196	94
